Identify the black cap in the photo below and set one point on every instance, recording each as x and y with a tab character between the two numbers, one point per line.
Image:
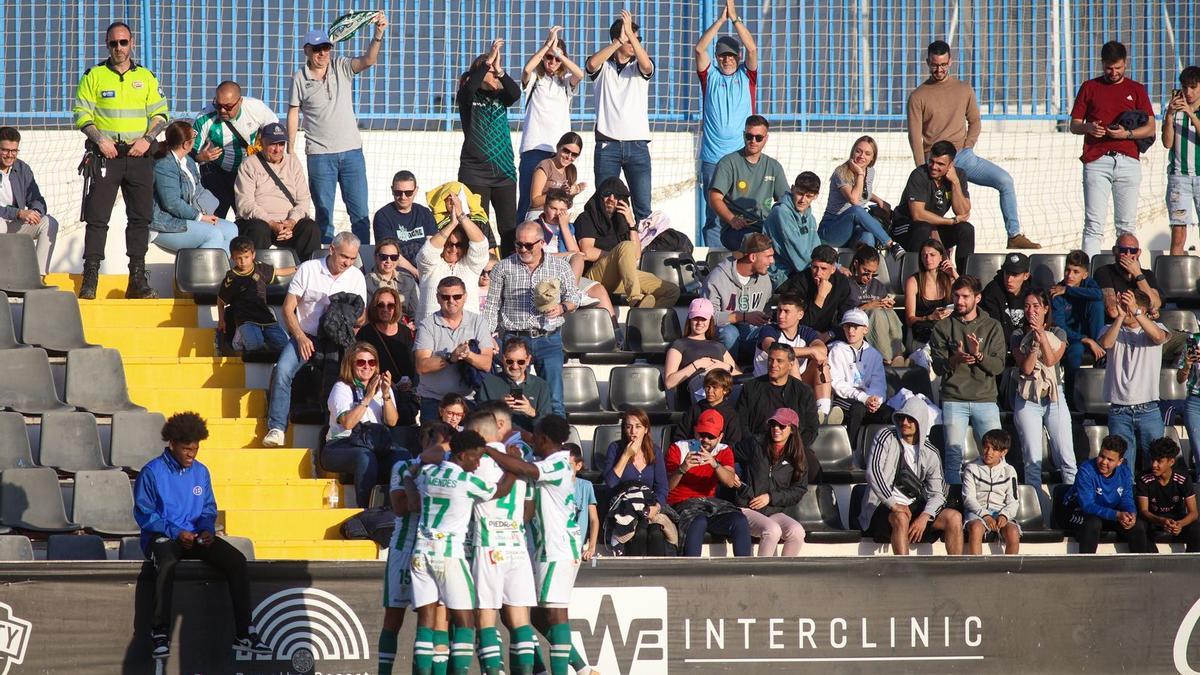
1015	263
728	44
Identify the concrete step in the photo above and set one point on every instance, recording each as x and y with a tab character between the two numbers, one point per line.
268	492
307	524
165	313
341	549
181	372
111	286
279	464
154	341
210	403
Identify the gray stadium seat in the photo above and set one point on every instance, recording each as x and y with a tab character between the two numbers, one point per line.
14	442
715	257
1181	320
131	549
71	443
1170	389
908	267
1177	278
51	320
30	500
836	454
937	435
15	548
136	439
650	331
1031	516
866	440
1185	462
19	272
366	258
676	267
243	544
581	397
1089	393
8	334
911	378
96	381
640	386
1100	260
588	335
1093	434
75	547
1046	269
199	273
277	258
104	503
818	513
28	386
604	435
984	265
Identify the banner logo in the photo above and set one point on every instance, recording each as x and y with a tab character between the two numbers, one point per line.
306	625
1183	639
621	630
14	638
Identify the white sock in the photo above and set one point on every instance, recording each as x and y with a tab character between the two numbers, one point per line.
823	406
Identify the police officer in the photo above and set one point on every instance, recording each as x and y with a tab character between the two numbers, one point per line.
120	108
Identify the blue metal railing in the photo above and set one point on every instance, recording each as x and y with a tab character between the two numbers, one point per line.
839	64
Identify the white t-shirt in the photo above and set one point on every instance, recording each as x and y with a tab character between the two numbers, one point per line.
6	193
314	284
547	111
434	268
1131	377
622	101
342	398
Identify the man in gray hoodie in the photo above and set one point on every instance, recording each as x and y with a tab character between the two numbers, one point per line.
739	289
967	351
905	498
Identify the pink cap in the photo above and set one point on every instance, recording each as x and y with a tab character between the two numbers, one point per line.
700	307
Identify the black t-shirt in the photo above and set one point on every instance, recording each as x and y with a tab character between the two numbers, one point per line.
607	234
935	195
410	229
825	318
245	295
1166	501
1112	276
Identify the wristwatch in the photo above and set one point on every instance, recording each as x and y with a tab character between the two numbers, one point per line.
1140	277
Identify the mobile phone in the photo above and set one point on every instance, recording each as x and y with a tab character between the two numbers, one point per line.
516	392
1176	93
949	308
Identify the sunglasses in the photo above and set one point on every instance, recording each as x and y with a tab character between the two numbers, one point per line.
1128	250
447	297
392	257
320	49
360	363
227	107
113	44
403	193
776	425
485	273
526	245
611	195
515	362
569	153
457	244
385	305
757	138
550	57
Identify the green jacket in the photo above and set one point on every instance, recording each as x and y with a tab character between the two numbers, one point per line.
968	382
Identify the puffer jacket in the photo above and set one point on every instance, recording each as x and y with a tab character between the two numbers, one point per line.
990	490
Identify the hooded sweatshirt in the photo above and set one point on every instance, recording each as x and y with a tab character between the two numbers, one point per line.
728	294
594	223
990	490
794	235
887	452
1004	307
968	382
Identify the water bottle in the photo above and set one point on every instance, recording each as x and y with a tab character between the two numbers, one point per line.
331	495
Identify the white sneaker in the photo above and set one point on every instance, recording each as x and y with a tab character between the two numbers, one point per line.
274	438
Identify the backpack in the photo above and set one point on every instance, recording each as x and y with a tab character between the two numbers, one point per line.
671	240
376	524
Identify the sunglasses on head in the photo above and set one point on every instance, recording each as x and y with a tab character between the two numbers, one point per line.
113	44
1128	250
526	245
569	153
757	138
360	363
403	193
515	362
227	106
393	257
447	297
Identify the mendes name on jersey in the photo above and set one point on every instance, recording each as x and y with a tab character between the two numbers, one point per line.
500	523
447	496
556	534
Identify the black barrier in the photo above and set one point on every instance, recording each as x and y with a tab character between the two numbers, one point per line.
1130	614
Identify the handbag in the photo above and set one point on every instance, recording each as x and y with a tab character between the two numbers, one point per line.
376	524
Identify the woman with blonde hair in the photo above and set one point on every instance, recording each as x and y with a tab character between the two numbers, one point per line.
848	215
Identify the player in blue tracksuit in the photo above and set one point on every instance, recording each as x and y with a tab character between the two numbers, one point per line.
177	512
1102	499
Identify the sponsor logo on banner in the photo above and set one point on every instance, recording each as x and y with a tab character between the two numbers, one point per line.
14	638
305	627
1183	641
621	630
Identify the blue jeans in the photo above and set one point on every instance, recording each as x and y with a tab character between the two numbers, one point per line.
280	403
349	171
1191	420
1138	425
853	225
712	225
252	337
1030	417
738	338
1118	177
634	158
982	172
529	161
731	239
981	416
548	364
199	234
733	526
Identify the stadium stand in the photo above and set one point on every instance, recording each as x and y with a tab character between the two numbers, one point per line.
29	385
70	443
103	503
75	547
15	548
30	499
51	320
8	332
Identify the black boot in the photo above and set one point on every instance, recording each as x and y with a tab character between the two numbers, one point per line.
139	282
91	279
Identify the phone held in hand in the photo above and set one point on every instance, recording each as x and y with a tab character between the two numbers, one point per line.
516	392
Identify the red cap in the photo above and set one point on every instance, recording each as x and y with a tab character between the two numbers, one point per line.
786	417
711	422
